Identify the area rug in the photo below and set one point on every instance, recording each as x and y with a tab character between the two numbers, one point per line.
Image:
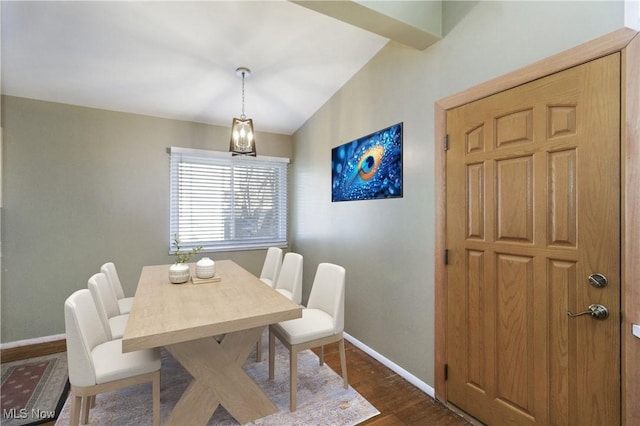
33	390
322	399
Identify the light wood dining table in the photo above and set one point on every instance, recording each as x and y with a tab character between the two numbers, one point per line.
184	318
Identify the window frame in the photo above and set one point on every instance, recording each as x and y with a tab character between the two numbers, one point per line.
229	165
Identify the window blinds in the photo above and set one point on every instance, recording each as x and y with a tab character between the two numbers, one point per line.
224	202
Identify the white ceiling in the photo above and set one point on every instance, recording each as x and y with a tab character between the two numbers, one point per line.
178	59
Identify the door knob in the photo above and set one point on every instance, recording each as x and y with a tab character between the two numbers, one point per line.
597	311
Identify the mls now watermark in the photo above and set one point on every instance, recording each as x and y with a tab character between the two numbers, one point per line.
23	413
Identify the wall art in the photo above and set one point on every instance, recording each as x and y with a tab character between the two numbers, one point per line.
369	167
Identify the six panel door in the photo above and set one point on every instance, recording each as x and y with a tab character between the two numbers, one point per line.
533	210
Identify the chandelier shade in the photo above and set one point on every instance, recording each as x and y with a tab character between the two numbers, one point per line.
242	137
243	140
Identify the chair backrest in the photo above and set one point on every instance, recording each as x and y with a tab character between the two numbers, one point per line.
109	269
290	276
327	293
84	332
105	301
272	264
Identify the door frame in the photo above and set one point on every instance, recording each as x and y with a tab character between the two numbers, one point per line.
627	42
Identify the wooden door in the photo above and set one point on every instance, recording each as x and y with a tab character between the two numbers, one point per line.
533	209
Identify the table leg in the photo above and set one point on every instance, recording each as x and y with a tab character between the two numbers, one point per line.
196	395
217	370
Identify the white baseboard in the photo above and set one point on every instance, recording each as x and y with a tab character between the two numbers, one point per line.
393	366
34	341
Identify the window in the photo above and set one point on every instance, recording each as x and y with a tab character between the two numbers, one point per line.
224	202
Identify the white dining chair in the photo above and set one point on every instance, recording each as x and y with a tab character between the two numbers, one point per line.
289	282
124	303
106	303
269	275
271	266
322	323
97	364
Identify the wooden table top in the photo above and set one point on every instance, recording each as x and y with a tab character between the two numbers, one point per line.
164	313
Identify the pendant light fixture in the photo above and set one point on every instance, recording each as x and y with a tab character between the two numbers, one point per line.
242	137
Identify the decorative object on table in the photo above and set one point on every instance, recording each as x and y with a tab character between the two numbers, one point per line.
214	279
242	136
180	272
369	167
205	268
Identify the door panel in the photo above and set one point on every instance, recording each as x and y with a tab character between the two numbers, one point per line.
533	209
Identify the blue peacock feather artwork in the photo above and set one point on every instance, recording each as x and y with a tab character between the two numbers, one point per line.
369	167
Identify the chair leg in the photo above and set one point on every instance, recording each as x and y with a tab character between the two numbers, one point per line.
343	363
76	405
293	378
272	354
86	407
321	357
259	350
156	399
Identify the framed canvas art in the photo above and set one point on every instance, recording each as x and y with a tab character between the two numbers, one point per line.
369	167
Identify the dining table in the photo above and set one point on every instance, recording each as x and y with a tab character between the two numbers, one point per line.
210	329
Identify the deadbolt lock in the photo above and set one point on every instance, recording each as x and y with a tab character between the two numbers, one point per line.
598	280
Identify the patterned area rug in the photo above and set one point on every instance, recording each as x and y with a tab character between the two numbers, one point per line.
322	399
33	390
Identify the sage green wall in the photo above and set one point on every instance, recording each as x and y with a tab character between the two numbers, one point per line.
82	187
387	246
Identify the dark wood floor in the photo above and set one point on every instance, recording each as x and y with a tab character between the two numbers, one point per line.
399	402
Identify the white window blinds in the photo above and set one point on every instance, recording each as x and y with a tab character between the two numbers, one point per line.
222	202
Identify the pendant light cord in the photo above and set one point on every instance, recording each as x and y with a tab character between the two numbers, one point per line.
243	116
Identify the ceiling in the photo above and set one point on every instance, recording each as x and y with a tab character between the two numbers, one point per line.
178	59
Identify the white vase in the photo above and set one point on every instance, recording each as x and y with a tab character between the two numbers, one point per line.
179	273
205	268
